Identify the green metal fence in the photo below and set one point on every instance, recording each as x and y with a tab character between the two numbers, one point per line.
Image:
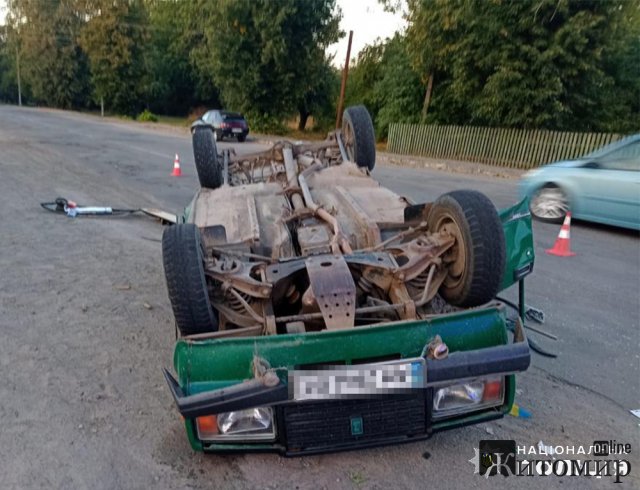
514	148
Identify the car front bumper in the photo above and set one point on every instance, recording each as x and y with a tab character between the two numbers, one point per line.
212	374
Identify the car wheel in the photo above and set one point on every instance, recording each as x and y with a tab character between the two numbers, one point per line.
359	137
549	203
475	263
206	158
241	138
183	259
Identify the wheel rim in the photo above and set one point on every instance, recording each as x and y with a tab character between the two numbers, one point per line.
455	258
349	140
550	203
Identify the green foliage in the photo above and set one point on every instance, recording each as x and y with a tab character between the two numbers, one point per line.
363	75
52	64
528	63
555	64
176	83
320	96
113	38
147	116
385	82
8	83
263	54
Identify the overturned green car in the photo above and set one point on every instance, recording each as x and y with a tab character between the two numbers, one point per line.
319	311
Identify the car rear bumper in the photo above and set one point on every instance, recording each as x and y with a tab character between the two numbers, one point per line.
210	376
228	133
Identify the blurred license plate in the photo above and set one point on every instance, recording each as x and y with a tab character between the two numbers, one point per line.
236	130
357	381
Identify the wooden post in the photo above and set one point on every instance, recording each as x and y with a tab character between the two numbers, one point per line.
427	98
343	86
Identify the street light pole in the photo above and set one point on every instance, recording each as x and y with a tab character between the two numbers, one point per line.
18	74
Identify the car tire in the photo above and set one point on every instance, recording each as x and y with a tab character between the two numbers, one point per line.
549	203
182	256
476	261
206	158
241	138
359	137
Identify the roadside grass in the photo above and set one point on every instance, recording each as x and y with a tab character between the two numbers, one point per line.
312	135
182	122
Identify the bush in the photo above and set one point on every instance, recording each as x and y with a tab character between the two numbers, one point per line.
147	116
265	124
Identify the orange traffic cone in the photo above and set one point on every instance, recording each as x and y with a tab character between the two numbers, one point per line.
562	247
176	167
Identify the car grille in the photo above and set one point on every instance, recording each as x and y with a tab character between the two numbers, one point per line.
316	426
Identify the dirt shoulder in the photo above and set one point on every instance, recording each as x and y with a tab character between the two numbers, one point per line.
451	166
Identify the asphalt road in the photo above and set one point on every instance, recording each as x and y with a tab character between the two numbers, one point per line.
86	326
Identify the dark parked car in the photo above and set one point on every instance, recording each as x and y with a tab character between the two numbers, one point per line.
225	123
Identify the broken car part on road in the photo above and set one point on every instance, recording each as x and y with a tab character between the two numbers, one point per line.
375	314
72	209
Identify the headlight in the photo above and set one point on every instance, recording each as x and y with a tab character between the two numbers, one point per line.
253	424
468	397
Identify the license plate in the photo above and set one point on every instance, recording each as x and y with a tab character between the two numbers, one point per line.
236	130
358	381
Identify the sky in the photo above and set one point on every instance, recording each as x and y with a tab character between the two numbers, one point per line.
366	18
369	21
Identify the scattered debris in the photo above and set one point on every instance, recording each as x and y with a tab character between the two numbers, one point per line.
147	305
518	411
357	478
437	349
123	287
636	412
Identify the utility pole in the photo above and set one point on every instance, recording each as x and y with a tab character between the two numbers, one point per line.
18	74
343	86
427	98
101	106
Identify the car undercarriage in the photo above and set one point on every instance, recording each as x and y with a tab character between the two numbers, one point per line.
320	311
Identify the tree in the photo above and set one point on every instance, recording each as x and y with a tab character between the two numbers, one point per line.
261	54
53	66
364	73
384	81
177	83
524	63
114	38
398	92
319	96
8	83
